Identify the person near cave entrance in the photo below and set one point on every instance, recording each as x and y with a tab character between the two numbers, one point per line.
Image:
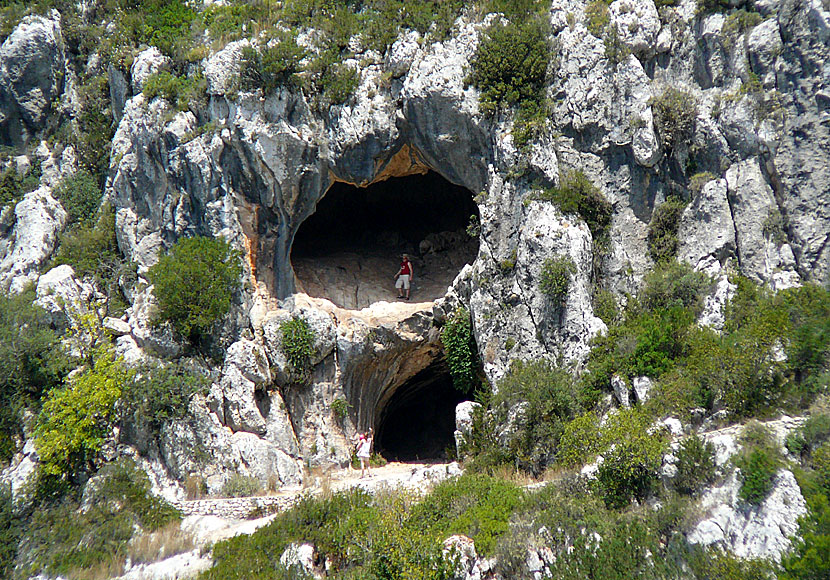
364	451
404	277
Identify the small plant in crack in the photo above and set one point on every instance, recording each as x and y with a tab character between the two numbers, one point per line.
555	278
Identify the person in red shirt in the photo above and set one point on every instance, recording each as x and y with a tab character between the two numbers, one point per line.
404	277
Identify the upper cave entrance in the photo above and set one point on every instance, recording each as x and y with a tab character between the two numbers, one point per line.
348	250
417	421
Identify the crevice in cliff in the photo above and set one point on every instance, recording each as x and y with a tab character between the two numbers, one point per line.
348	250
417	421
770	173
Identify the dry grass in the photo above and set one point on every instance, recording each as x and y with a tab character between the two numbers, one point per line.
195	487
509	473
101	571
168	541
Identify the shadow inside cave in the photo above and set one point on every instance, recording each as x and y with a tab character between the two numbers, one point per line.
417	422
349	249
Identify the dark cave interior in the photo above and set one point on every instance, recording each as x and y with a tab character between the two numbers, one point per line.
418	421
349	248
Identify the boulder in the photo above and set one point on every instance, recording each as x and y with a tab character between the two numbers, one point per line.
31	77
38	219
147	63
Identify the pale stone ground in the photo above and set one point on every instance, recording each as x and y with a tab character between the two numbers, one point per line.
207	529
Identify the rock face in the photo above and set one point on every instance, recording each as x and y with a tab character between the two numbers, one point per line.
32	229
31	77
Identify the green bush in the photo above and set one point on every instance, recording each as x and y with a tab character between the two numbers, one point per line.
576	194
31	363
460	351
810	556
675	284
160	394
814	432
92	133
183	92
273	66
510	64
605	305
675	112
80	196
14	186
360	537
715	564
632	458
695	465
580	441
808	347
548	398
555	278
474	505
662	230
328	81
616	51
298	344
194	283
758	461
75	421
340	408
597	17
10	531
241	486
92	250
64	540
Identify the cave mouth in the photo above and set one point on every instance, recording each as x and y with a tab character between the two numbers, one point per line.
418	421
349	249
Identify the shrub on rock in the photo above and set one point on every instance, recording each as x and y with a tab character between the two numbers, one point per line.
193	284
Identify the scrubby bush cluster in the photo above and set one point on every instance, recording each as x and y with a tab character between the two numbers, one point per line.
194	284
675	112
461	351
555	278
62	539
298	344
576	194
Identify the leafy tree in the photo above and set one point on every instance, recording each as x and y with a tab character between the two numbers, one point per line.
75	421
193	284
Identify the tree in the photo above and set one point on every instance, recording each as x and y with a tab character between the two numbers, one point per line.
76	420
193	284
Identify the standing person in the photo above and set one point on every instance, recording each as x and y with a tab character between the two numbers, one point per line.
364	452
404	277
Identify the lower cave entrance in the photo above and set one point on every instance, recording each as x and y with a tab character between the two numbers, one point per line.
349	249
418	421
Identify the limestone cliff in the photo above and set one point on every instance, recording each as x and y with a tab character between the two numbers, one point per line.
254	166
